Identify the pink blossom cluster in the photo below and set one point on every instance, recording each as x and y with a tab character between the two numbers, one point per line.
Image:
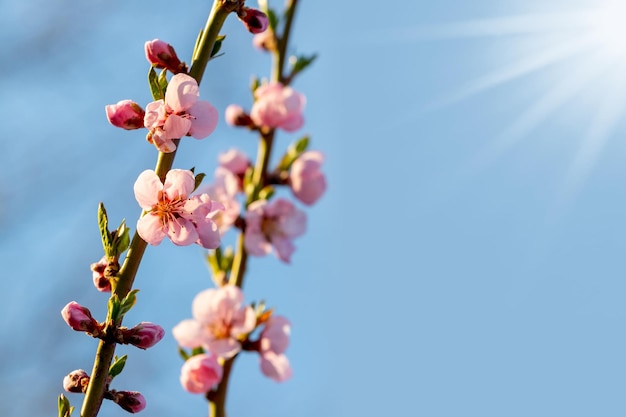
221	325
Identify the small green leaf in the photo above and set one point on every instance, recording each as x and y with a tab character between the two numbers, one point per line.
114	307
128	302
155	88
197	351
300	63
65	409
272	18
198	180
217	45
293	152
195	47
183	354
121	241
117	366
163	81
266	193
254	84
103	224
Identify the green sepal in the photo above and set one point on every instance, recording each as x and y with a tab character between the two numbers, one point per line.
300	63
103	224
266	193
254	84
155	88
128	302
121	238
183	354
118	365
293	152
65	409
198	180
217	45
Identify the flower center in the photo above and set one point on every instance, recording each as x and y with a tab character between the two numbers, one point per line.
166	209
270	226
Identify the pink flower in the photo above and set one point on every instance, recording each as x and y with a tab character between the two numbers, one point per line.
254	20
131	401
162	55
272	345
278	106
234	160
224	190
76	381
143	335
265	40
307	181
79	318
200	373
273	224
171	212
180	114
125	114
219	323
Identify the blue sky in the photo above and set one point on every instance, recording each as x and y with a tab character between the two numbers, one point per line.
467	259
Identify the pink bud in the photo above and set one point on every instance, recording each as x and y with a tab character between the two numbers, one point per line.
163	55
143	335
131	401
79	318
307	181
200	373
125	114
254	20
237	116
76	381
101	282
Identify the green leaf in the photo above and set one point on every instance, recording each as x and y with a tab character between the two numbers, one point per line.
122	239
163	81
254	84
103	224
183	354
155	88
128	302
114	307
300	63
65	409
272	18
117	366
217	45
293	152
198	180
197	351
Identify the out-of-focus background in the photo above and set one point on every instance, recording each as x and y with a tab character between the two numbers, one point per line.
467	259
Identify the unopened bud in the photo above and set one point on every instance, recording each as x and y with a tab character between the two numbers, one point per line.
236	116
100	281
162	55
76	381
131	401
79	318
143	335
265	41
254	20
125	114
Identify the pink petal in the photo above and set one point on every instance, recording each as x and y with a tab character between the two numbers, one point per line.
275	366
208	234
150	229
244	322
291	124
182	93
256	244
176	126
182	232
189	333
147	189
284	248
179	183
203	306
224	348
155	114
204	119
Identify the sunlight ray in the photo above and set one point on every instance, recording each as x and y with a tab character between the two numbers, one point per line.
518	69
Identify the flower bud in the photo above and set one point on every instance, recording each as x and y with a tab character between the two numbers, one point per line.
125	114
265	41
76	381
162	55
79	318
307	181
234	161
200	373
131	401
237	116
254	20
143	335
101	282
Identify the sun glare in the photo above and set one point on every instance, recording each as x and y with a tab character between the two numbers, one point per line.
608	26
